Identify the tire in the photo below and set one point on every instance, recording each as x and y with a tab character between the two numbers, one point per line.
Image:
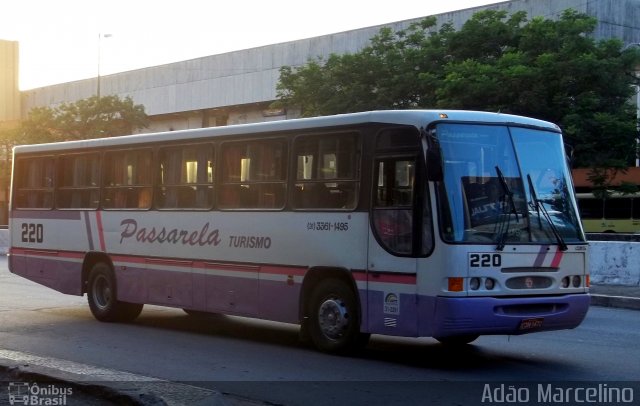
457	340
334	322
102	295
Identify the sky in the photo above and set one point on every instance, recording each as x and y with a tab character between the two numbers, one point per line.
65	40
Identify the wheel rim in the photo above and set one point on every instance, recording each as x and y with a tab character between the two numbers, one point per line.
102	292
333	317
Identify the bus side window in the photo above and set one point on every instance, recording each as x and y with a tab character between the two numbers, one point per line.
327	171
127	179
591	208
78	184
617	208
34	183
186	177
254	175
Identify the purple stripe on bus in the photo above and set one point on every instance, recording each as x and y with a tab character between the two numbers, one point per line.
213	293
392	314
51	272
385	313
541	255
87	223
46	214
279	301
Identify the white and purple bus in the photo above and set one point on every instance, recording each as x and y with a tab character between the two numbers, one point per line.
445	224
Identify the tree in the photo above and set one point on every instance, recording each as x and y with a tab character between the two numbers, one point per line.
94	117
89	118
548	69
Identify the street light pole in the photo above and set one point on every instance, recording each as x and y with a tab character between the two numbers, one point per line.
100	36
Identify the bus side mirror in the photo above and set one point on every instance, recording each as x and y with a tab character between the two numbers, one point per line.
434	164
569	155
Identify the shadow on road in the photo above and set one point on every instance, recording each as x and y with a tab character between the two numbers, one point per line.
483	356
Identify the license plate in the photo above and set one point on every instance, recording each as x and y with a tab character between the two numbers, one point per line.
529	324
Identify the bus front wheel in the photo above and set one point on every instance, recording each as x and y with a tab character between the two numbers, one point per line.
333	318
102	297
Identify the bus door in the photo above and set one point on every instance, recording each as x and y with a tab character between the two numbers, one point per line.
392	263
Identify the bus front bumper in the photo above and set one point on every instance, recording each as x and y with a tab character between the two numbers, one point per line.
512	316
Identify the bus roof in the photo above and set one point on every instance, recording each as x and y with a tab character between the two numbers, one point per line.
418	118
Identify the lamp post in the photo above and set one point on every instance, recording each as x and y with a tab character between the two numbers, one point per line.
100	36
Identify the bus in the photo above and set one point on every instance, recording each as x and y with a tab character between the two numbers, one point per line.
618	213
417	223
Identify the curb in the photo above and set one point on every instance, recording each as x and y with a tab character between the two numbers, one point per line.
114	386
622	302
90	390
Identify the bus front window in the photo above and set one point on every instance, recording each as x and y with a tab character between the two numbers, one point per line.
486	196
548	185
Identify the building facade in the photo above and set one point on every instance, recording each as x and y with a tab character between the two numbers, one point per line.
238	87
10	114
9	94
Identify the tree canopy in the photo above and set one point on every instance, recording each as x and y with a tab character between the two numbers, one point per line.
94	117
548	69
89	118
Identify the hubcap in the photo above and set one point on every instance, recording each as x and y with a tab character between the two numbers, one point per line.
333	318
102	291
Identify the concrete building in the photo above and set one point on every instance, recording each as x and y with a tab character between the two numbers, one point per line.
9	113
238	87
9	94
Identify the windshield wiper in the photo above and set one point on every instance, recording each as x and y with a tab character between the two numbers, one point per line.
507	198
537	204
508	194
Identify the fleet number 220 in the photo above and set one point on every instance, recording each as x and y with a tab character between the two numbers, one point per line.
32	232
485	260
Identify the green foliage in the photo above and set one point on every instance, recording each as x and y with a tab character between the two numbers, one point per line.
602	179
548	69
107	116
89	118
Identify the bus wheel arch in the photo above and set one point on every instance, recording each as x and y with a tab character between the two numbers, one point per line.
90	260
331	312
102	295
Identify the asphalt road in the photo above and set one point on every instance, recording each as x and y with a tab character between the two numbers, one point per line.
264	361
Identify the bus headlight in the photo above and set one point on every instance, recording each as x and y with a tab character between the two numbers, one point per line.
565	282
576	281
489	284
474	283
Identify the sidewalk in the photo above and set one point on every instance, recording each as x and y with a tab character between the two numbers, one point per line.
626	297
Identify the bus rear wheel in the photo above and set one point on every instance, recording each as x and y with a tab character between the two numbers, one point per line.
102	297
334	325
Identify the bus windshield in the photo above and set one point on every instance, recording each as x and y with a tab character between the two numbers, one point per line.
505	185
